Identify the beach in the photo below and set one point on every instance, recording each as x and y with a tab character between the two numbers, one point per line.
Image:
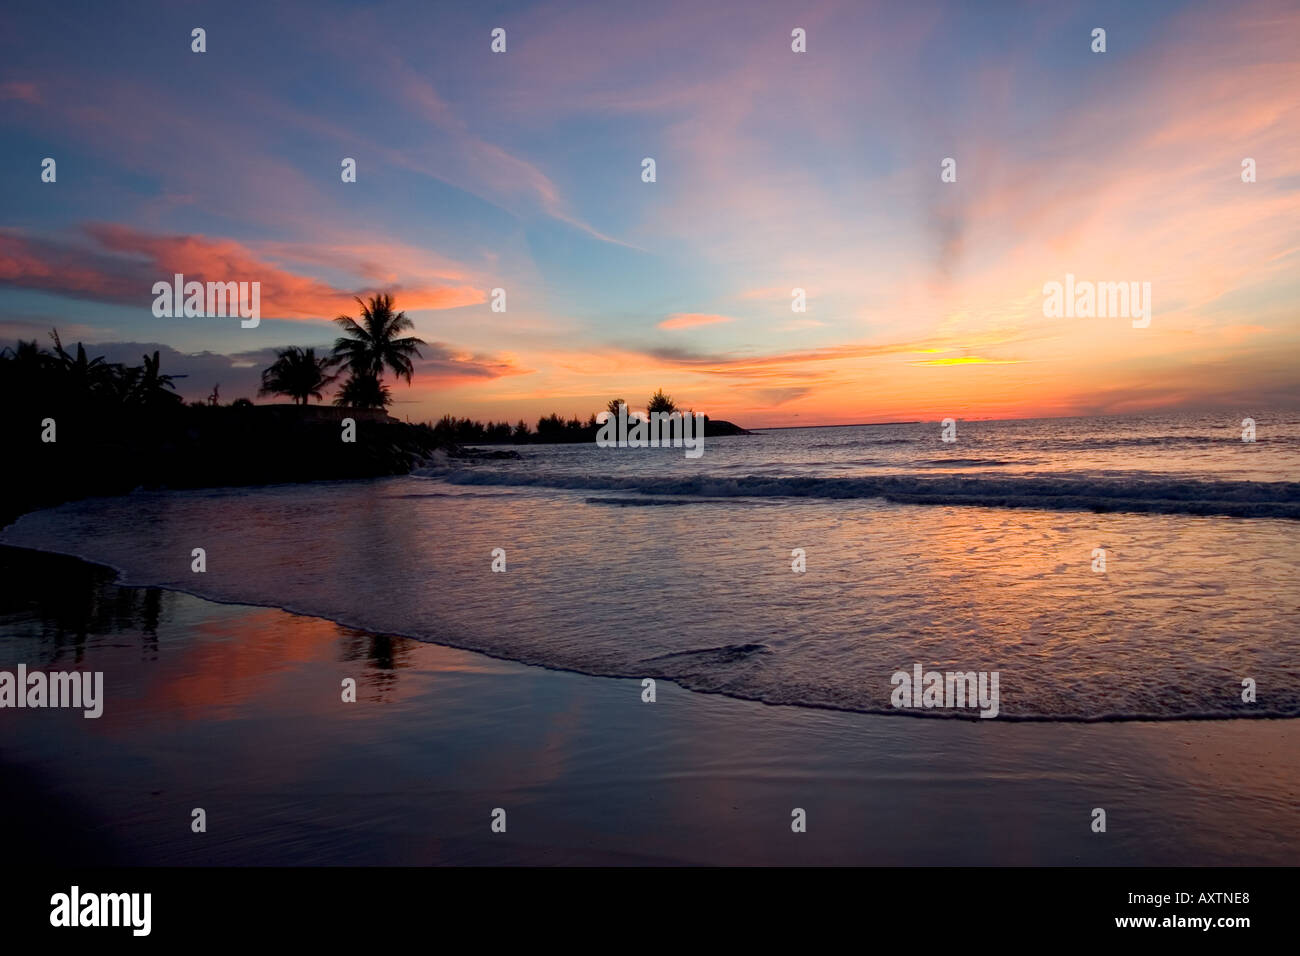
778	569
588	655
238	710
678	436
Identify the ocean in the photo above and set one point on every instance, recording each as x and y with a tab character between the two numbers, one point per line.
1106	569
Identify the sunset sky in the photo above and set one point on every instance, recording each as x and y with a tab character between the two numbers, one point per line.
775	170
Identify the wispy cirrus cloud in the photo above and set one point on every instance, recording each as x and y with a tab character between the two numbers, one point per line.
444	366
968	360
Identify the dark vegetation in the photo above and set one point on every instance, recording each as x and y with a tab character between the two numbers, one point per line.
76	426
556	428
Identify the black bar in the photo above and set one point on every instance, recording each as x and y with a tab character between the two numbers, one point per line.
910	908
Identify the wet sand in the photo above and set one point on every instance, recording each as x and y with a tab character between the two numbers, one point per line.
238	710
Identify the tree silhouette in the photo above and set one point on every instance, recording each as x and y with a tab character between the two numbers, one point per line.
374	344
149	387
26	354
84	377
364	391
298	373
659	402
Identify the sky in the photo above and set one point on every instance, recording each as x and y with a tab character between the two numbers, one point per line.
774	171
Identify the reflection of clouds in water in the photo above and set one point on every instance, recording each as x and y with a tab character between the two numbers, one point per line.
603	589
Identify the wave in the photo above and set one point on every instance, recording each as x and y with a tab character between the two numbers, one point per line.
726	654
1238	499
969	462
709	670
864	443
449	494
645	502
1145	441
1075	442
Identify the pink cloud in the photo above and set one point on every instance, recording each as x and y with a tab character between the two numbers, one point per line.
24	92
444	366
127	262
689	320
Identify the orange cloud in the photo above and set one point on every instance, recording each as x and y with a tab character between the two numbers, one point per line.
127	263
689	320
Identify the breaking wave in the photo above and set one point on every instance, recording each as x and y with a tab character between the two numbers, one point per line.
1158	495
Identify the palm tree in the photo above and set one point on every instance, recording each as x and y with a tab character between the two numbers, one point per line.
84	376
363	391
26	354
148	387
374	344
24	374
298	373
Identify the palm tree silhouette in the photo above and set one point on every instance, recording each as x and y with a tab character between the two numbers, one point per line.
149	387
374	344
26	354
363	391
298	373
83	376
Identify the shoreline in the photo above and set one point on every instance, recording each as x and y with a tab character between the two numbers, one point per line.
440	736
899	713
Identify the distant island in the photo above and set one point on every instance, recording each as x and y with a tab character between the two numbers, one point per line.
83	426
777	428
554	428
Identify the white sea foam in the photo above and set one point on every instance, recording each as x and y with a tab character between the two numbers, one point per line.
1242	499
